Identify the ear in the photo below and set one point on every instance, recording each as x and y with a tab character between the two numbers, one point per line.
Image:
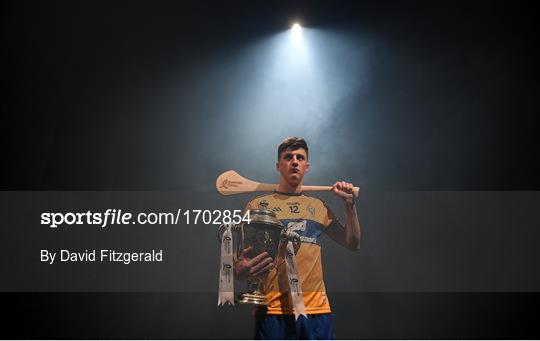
307	167
277	166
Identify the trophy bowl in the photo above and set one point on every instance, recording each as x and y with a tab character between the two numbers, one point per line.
262	234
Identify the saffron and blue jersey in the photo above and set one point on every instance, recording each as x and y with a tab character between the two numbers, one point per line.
309	217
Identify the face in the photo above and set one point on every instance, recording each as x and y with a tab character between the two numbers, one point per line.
293	165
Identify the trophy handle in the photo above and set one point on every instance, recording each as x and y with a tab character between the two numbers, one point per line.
280	257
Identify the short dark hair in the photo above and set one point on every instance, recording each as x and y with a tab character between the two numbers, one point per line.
293	143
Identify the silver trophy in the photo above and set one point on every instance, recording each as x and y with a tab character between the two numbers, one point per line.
263	234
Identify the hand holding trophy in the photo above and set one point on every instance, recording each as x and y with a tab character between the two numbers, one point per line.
260	242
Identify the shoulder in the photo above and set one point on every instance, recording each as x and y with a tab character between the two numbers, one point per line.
256	201
322	212
314	200
319	209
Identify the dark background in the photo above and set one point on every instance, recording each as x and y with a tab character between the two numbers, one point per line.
452	102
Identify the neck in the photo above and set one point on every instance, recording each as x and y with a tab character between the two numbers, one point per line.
286	187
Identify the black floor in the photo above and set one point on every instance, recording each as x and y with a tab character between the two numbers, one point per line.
195	316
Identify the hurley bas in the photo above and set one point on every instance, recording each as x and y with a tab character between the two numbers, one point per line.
102	256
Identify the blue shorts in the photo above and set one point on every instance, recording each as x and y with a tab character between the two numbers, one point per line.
284	327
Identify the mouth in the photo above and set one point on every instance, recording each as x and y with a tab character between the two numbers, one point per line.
294	170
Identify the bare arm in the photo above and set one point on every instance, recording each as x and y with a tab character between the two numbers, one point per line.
348	235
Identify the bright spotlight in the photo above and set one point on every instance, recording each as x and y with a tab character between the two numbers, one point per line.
296	34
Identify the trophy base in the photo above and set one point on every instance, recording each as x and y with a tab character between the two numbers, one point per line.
255	297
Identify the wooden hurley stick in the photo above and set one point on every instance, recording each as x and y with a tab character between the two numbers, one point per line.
230	183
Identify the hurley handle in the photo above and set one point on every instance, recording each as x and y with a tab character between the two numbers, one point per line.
356	190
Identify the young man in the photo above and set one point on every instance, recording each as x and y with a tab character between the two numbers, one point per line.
309	217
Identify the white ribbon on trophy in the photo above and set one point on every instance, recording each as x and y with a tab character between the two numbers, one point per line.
295	285
226	278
